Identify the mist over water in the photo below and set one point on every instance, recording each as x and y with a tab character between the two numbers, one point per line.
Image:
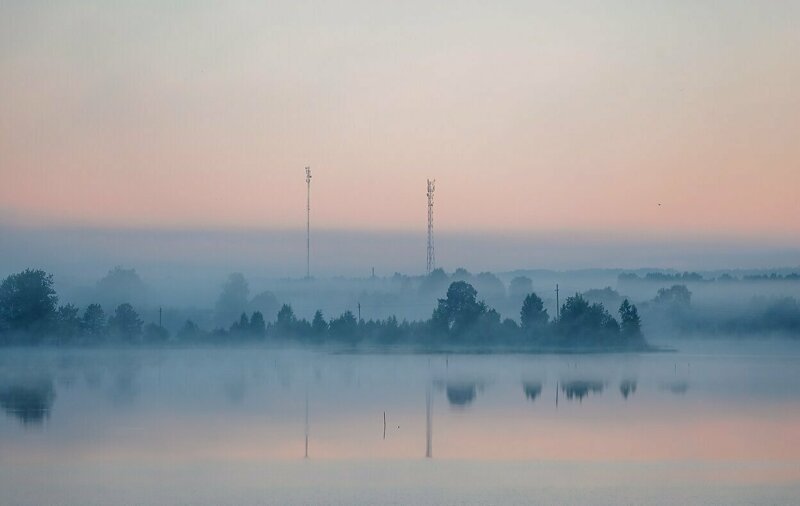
610	314
716	425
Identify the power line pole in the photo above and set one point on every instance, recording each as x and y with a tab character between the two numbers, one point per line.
359	312
558	307
159	318
308	222
431	255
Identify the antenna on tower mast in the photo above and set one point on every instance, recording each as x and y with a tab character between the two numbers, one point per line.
431	255
308	223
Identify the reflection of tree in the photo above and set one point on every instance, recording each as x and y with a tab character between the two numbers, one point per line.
461	394
676	387
30	402
532	389
579	389
627	387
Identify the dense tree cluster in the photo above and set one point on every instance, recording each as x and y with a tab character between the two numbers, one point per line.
29	313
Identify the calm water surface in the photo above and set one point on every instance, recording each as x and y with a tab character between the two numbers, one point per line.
266	426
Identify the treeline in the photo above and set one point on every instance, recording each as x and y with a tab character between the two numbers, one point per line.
672	308
694	277
30	314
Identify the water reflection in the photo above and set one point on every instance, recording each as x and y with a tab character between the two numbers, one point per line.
627	387
679	387
29	401
461	394
579	389
428	424
246	417
532	389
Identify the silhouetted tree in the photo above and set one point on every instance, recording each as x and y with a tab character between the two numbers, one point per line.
319	327
233	300
344	327
286	322
630	323
94	321
28	302
125	323
533	315
586	323
459	310
241	327
68	323
258	327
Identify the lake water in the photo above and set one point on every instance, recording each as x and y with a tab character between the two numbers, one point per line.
266	426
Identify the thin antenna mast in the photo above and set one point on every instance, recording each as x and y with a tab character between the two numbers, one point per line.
308	223
431	255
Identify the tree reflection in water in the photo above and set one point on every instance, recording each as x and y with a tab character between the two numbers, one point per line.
28	401
532	389
461	394
627	387
578	389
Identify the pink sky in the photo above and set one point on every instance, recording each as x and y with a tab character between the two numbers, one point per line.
531	116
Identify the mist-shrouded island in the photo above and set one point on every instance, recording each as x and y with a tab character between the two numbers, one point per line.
459	311
32	314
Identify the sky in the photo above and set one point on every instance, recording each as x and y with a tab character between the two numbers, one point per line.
645	121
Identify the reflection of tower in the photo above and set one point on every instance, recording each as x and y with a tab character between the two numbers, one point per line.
306	455
431	256
428	424
308	222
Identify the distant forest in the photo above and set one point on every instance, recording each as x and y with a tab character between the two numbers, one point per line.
694	277
439	310
30	314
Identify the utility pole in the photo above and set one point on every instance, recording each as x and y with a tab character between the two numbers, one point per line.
431	255
308	222
558	307
159	318
359	312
